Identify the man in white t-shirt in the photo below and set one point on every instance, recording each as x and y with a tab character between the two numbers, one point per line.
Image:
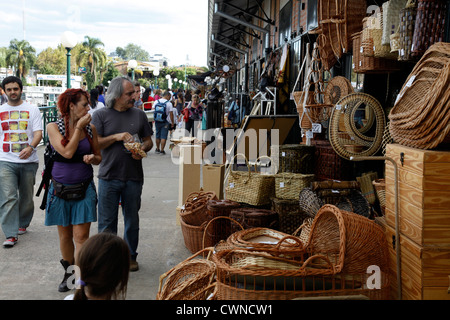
20	134
163	127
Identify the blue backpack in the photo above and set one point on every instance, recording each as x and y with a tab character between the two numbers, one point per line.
160	111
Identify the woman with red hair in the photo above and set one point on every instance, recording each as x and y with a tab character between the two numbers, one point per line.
72	197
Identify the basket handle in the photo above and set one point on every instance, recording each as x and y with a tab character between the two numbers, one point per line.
246	162
319	256
205	291
165	275
272	162
215	218
300	228
296	239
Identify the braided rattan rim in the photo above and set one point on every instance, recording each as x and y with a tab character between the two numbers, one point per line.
334	124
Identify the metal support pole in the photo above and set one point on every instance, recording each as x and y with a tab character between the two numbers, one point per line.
68	68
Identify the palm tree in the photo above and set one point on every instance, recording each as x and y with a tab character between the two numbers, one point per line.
93	55
21	55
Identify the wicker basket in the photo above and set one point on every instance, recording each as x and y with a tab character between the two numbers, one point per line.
268	240
430	20
366	64
348	199
420	117
328	164
340	249
339	19
288	185
391	11
195	208
406	30
337	88
188	279
289	214
249	187
253	218
193	236
296	158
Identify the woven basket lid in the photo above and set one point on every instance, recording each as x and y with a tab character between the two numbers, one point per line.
336	89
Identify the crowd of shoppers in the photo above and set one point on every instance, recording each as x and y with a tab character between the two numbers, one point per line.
92	129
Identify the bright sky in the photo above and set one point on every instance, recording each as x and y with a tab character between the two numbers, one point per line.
175	28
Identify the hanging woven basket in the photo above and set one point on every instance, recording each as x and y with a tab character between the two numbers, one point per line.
350	105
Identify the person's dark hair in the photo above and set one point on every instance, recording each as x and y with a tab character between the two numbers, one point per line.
100	89
104	262
146	94
166	93
94	98
12	79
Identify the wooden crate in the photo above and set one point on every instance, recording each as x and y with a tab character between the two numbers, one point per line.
425	271
424	194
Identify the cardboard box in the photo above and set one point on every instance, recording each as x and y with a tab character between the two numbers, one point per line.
213	175
189	171
178	215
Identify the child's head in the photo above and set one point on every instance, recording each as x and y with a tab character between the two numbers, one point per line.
104	262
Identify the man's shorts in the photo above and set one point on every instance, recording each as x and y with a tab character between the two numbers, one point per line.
162	130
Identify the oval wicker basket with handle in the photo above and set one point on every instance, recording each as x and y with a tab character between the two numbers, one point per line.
188	279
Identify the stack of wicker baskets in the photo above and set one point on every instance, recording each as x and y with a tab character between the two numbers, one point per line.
341	247
334	259
194	217
421	116
338	20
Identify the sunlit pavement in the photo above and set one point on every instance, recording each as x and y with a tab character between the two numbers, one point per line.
31	269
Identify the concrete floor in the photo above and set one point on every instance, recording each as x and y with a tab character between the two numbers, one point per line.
31	269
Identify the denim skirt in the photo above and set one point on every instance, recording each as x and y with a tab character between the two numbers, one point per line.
61	212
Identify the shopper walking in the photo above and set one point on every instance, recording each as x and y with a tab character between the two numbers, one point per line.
194	113
164	121
72	198
20	134
120	175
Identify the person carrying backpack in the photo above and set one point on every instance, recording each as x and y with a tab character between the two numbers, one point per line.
163	111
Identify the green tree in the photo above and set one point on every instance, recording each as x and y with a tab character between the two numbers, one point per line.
133	51
111	73
21	55
3	53
52	61
94	57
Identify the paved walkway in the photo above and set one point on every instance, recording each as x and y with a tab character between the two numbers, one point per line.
31	269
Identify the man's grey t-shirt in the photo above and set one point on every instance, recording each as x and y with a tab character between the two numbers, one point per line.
117	163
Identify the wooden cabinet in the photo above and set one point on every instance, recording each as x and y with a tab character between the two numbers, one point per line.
424	220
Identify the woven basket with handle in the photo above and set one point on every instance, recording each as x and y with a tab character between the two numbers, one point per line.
249	187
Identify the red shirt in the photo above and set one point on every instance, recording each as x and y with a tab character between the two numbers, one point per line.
149	106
